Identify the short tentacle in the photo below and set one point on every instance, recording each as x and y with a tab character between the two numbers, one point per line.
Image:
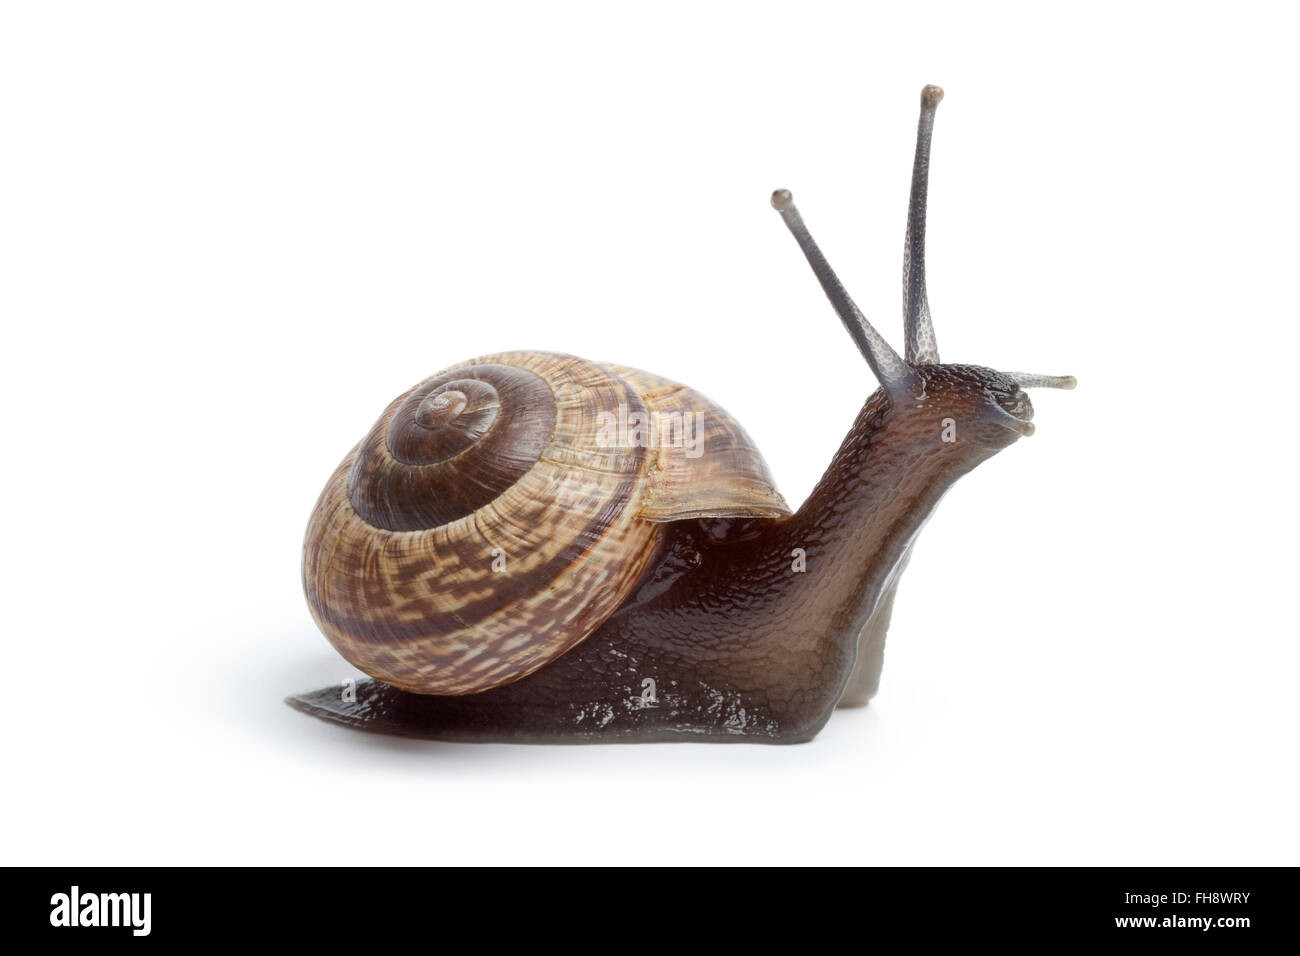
1030	380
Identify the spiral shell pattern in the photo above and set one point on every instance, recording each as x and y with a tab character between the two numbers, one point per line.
486	524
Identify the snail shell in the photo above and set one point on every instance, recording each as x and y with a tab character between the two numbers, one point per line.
488	523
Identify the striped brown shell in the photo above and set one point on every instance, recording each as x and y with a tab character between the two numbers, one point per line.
498	512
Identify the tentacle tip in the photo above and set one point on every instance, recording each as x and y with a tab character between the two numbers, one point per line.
1069	381
782	200
1027	429
931	96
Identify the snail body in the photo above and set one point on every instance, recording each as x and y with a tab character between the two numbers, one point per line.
532	547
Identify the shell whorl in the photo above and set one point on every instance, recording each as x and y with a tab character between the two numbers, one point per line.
486	523
451	446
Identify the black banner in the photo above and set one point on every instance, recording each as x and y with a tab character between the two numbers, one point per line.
652	907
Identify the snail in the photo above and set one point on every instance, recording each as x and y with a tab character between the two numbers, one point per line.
531	547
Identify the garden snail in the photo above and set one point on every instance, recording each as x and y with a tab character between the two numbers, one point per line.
532	547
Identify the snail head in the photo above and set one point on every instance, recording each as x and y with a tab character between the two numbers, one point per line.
985	406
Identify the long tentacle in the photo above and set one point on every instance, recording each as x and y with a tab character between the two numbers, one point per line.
922	346
893	373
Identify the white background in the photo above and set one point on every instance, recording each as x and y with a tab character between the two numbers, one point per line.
230	233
